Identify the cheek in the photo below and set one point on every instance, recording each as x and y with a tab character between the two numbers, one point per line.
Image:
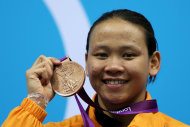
94	69
95	73
138	68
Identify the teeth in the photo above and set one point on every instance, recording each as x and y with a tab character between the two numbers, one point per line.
115	82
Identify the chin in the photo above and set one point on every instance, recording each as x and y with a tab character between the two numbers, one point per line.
114	99
117	101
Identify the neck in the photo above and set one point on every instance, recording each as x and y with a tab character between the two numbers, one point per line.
124	119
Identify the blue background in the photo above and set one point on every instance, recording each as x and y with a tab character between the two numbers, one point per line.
28	30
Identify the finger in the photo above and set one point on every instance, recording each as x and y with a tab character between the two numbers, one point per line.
38	73
42	61
55	61
40	65
35	74
44	78
49	62
42	75
47	65
49	69
39	60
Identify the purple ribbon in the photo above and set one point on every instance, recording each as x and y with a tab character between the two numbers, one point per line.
63	58
139	107
86	119
146	106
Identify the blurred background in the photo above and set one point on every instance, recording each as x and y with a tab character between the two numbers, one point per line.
29	28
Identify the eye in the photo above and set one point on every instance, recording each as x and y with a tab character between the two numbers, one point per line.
101	55
129	55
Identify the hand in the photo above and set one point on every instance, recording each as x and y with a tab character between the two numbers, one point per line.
39	77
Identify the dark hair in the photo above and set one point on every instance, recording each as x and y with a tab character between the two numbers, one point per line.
135	18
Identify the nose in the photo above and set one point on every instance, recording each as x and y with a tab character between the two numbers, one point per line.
114	66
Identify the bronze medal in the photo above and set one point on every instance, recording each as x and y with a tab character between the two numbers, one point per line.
68	78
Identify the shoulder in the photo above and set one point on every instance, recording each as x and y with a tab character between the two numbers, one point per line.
168	121
157	119
75	121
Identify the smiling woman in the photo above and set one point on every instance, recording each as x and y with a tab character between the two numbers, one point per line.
121	56
118	54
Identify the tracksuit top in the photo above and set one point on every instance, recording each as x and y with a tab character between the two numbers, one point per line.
29	114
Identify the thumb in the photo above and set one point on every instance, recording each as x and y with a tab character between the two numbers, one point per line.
55	61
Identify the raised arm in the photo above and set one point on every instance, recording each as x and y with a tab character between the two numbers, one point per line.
31	113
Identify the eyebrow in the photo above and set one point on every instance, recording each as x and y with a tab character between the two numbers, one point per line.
101	47
128	47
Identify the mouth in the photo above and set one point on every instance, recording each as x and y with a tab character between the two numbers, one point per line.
115	82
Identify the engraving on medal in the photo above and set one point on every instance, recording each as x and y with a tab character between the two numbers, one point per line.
68	78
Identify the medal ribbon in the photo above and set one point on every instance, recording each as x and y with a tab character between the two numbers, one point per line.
146	106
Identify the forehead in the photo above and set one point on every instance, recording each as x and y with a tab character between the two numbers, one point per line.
118	30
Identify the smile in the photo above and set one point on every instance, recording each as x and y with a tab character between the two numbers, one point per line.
115	82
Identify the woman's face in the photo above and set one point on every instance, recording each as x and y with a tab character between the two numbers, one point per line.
117	62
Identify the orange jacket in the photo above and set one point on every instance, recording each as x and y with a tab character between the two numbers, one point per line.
30	114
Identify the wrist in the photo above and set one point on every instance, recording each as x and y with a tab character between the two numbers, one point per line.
39	100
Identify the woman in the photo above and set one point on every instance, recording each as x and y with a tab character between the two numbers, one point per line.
121	59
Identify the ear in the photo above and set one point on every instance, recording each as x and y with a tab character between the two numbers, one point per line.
86	67
155	63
